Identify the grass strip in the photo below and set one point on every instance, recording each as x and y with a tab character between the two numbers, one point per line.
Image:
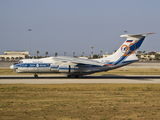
80	101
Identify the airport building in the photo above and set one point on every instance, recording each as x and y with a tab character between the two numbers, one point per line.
14	55
107	55
152	55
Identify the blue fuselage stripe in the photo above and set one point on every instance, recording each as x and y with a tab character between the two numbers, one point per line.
33	65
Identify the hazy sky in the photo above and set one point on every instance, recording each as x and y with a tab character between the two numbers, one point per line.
76	25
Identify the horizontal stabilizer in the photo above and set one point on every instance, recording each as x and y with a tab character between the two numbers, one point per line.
135	35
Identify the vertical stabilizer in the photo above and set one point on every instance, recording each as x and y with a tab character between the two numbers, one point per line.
128	49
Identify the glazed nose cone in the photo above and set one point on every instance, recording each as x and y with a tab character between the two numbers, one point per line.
11	67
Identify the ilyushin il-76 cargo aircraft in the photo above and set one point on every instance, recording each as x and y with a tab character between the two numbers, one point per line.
77	67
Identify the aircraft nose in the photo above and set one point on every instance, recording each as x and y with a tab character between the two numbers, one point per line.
11	67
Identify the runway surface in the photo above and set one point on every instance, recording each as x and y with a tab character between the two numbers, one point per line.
52	79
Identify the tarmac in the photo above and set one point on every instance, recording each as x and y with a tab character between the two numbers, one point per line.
6	64
92	79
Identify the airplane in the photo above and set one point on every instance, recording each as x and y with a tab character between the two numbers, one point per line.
77	67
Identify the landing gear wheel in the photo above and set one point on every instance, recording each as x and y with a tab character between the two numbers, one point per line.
74	76
71	76
68	76
80	76
36	76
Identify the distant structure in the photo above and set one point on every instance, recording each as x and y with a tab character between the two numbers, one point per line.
29	42
106	55
14	55
92	52
152	55
125	32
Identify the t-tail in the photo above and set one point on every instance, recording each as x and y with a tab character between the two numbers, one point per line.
126	52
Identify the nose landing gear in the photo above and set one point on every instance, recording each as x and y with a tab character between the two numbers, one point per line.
36	76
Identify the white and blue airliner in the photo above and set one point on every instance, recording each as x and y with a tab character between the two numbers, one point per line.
77	67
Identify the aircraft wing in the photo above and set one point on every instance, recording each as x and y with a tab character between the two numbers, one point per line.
77	60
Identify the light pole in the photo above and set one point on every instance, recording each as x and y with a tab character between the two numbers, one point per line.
29	42
92	52
73	54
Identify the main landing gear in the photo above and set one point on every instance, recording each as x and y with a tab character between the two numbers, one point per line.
75	76
36	76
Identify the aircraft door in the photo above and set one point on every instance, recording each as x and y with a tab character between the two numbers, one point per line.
54	68
69	68
64	68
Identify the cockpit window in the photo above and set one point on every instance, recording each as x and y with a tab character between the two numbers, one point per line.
18	62
15	63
